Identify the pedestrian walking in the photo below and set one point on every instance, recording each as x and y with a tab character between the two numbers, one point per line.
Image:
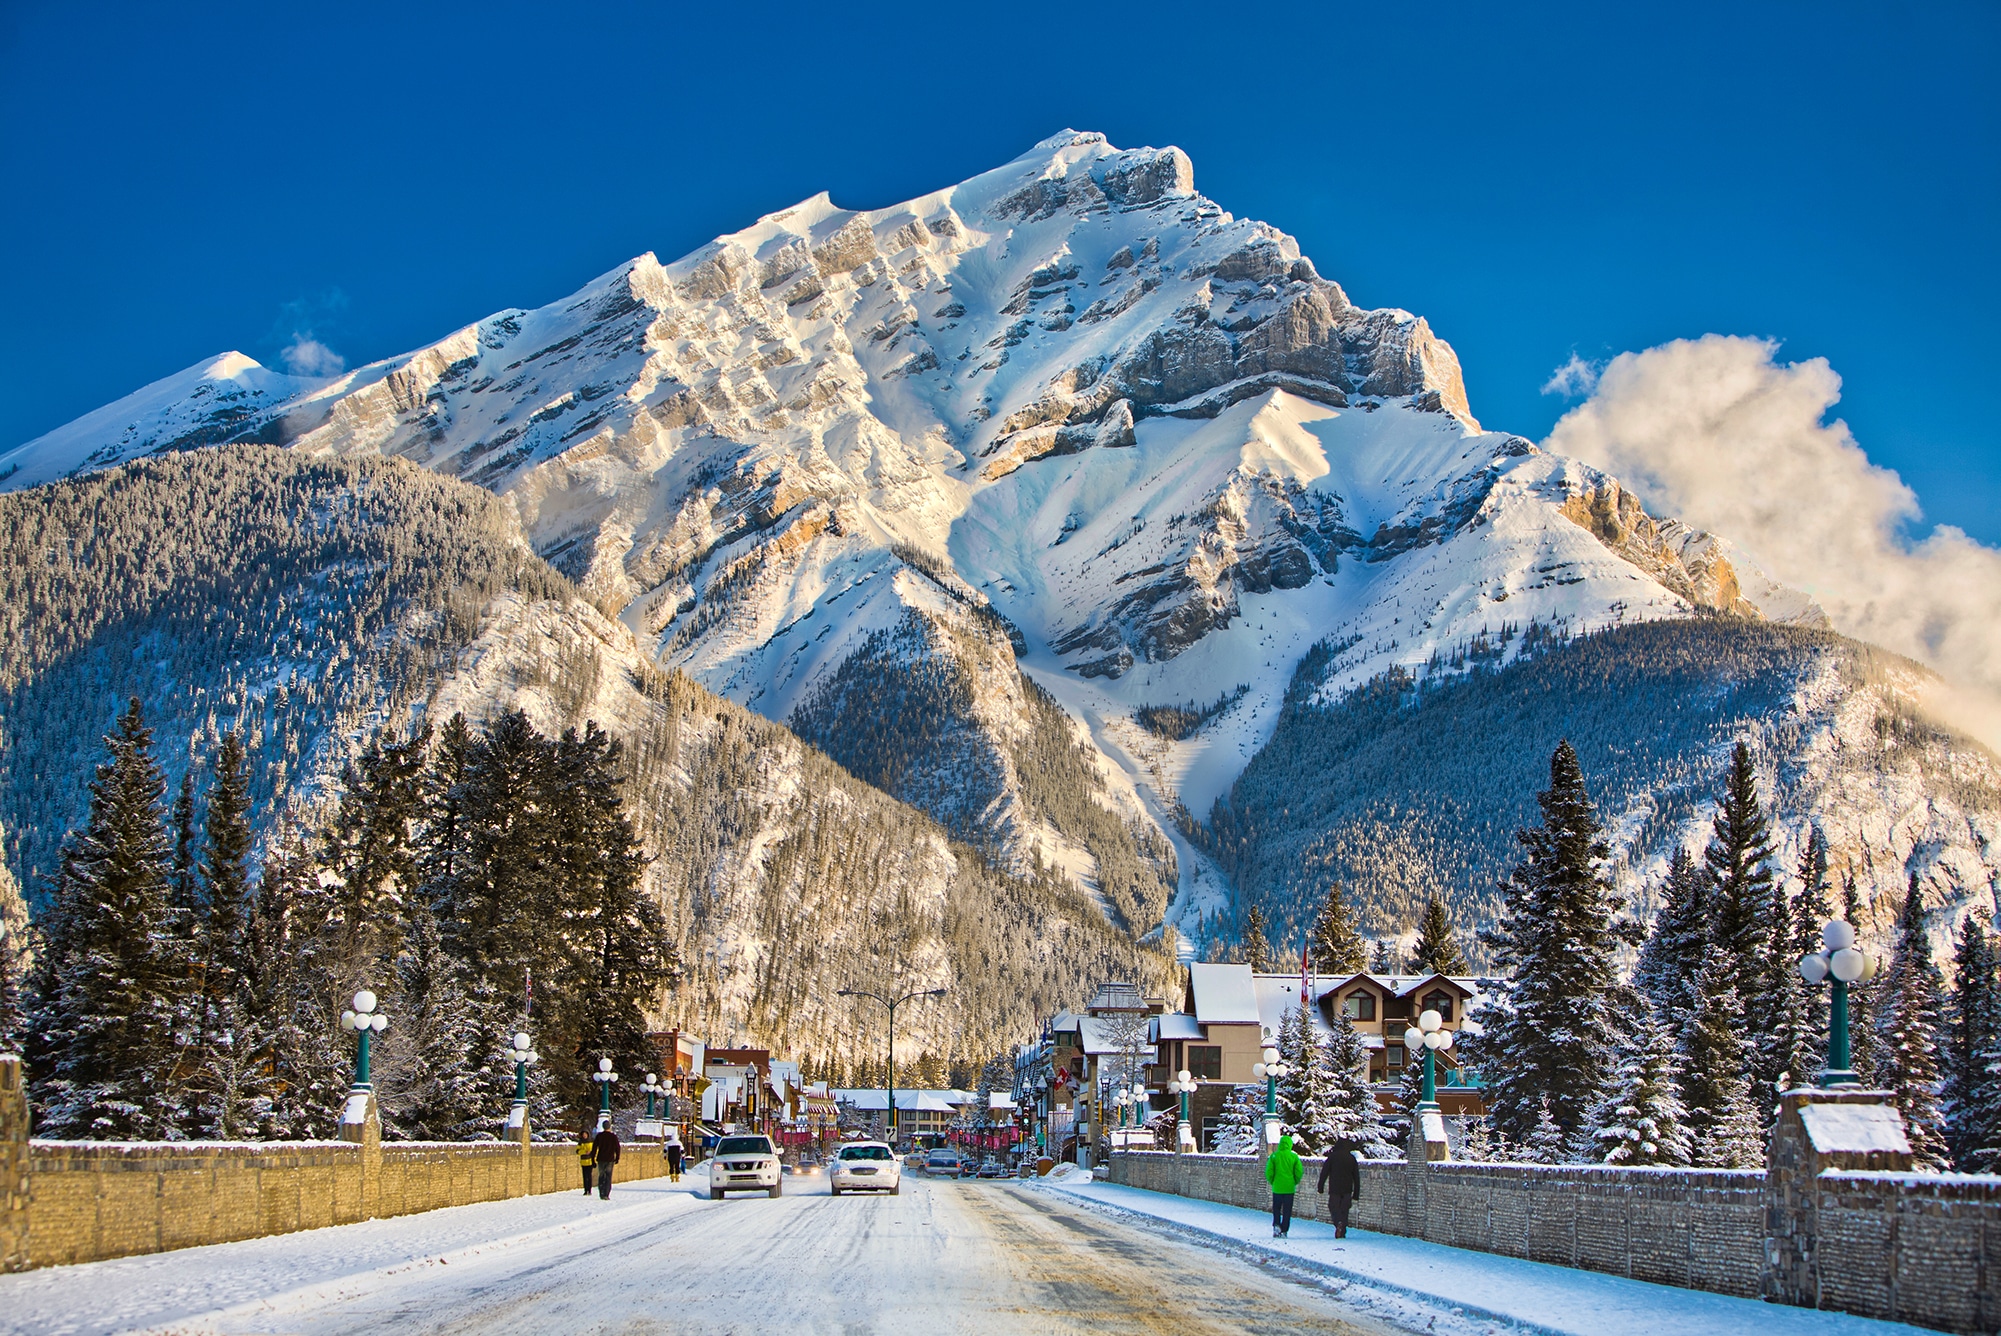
604	1153
586	1154
1283	1171
673	1155
1341	1180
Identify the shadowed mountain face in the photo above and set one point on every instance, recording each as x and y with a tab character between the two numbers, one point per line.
964	486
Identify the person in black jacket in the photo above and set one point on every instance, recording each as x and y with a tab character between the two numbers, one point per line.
1341	1180
605	1154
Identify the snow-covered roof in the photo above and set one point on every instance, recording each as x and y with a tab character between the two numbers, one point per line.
1178	1025
916	1101
1224	994
1065	1021
1854	1127
1100	1035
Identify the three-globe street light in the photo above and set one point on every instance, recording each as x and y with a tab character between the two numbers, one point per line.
1183	1085
1272	1070
606	1079
1845	963
524	1056
651	1085
364	1020
892	1004
1429	1036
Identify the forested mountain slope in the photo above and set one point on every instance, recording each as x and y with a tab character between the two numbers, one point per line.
1411	786
319	603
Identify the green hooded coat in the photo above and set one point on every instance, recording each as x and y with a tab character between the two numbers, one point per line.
1285	1169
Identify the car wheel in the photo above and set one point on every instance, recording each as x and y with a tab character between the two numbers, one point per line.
834	1191
896	1188
777	1189
715	1194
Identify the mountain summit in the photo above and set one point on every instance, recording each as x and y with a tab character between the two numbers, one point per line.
970	488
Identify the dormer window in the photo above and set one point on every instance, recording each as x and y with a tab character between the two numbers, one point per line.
1359	1005
1439	1002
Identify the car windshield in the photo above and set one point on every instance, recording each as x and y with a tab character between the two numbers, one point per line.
865	1153
744	1146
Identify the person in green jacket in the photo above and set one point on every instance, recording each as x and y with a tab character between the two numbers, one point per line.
1283	1171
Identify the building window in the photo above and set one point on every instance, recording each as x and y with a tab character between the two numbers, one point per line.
1359	1005
1394	1055
1205	1062
1440	1003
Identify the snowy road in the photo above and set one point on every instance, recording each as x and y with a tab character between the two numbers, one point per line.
975	1258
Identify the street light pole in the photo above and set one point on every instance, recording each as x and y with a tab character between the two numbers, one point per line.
892	1004
1184	1086
1842	963
364	1020
1429	1037
1271	1069
605	1077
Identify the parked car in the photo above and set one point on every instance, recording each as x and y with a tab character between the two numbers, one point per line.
866	1166
744	1164
991	1167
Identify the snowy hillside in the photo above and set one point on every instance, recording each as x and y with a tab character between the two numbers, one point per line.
1067	430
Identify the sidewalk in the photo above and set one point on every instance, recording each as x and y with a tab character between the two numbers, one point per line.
1511	1294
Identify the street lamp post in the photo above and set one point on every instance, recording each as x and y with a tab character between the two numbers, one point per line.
1271	1069
364	1020
1429	1037
1842	963
892	1004
524	1054
606	1079
651	1085
1183	1085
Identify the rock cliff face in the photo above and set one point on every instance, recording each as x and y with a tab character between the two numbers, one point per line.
1065	433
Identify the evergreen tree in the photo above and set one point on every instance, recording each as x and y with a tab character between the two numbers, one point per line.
184	892
1869	1058
1256	947
295	991
1677	942
1295	1050
111	976
1546	1143
1643	1121
1908	1026
1811	913
1437	950
222	908
443	1080
15	958
369	849
1334	947
1738	861
1786	1049
1477	1145
1382	958
1555	1023
1723	1124
1337	1104
1971	1095
1240	1127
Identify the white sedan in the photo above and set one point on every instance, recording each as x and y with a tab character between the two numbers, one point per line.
866	1166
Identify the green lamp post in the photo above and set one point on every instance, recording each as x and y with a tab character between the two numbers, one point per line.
606	1079
1183	1085
1841	964
1271	1069
1428	1036
364	1020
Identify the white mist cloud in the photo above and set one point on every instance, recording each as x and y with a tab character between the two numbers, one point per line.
307	356
1719	433
1574	379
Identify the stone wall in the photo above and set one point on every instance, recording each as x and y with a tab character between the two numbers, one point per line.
84	1201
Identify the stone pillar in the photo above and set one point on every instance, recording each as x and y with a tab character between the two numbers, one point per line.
520	1179
13	1165
1819	1129
1427	1137
361	1124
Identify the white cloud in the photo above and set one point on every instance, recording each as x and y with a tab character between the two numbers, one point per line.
1719	433
1574	379
307	356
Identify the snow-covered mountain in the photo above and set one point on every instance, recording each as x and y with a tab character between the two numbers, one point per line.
1066	432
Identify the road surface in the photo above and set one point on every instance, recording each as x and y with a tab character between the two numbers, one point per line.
980	1258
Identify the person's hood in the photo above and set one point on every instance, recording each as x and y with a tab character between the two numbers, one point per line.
1285	1142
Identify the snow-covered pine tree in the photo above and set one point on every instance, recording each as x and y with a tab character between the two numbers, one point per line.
1295	1050
1437	950
1546	1143
1908	1025
16	958
1256	947
295	990
437	1079
1723	1124
1477	1142
1552	1031
183	891
1643	1121
369	848
1971	1095
1786	1055
1334	946
222	1103
1677	940
1242	1121
1339	1105
1738	861
1381	957
1811	912
111	975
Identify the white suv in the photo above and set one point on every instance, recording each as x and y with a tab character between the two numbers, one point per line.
866	1166
744	1164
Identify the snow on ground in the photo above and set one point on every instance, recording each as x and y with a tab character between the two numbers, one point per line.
1524	1296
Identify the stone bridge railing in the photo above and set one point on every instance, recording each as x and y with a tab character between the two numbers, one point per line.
1837	1221
83	1201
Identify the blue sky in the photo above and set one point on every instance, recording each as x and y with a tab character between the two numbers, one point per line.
1536	181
